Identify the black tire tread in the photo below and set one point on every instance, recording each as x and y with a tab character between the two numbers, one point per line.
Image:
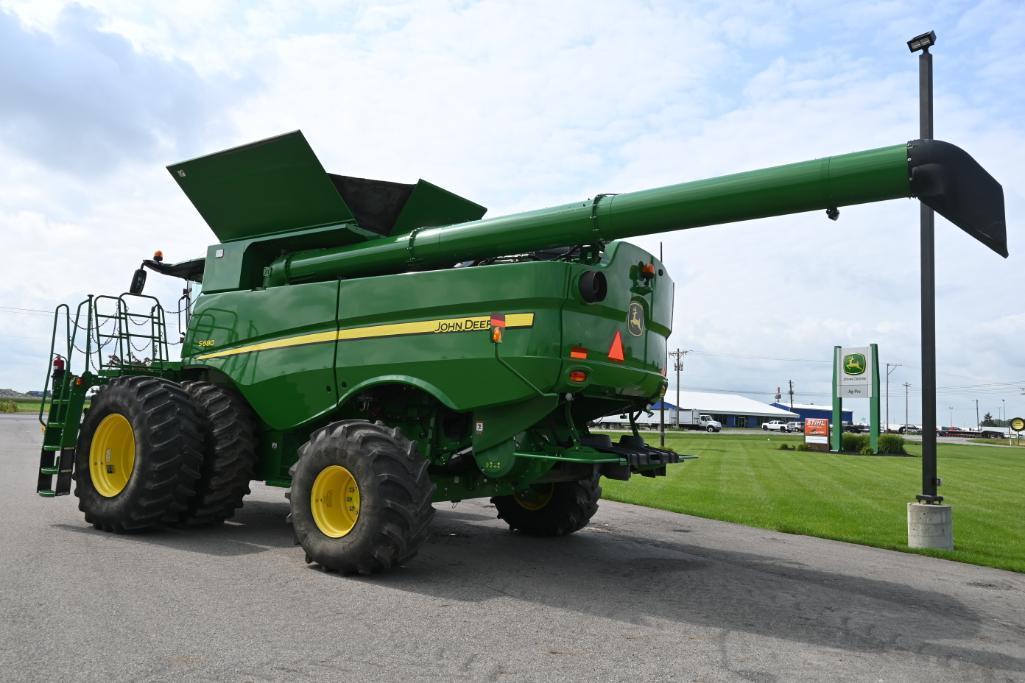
570	509
170	440
229	458
404	487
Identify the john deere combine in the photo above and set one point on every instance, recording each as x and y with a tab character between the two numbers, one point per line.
376	347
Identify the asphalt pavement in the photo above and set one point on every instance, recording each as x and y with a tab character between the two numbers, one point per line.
639	595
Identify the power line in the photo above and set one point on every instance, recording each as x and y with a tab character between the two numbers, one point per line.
781	360
17	309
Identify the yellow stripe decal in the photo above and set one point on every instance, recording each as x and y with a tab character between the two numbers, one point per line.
441	326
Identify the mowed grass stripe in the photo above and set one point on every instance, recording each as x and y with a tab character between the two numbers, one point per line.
862	499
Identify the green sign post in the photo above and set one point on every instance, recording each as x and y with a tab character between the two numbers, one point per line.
855	375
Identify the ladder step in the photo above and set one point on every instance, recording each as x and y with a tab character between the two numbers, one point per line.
52	449
47	493
49	470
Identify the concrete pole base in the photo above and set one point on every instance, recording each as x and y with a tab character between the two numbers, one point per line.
930	526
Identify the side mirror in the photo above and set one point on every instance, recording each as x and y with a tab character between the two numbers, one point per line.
138	281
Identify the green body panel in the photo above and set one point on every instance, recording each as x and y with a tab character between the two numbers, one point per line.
295	383
285	387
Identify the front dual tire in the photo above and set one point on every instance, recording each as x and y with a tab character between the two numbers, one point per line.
139	455
153	452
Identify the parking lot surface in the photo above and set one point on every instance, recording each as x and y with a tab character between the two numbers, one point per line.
640	595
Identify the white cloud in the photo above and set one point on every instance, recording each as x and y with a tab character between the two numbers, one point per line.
532	104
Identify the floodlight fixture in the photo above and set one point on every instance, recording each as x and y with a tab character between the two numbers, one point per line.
922	42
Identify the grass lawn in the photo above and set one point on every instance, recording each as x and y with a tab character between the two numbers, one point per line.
1003	442
861	499
27	405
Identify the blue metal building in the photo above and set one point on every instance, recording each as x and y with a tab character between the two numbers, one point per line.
806	410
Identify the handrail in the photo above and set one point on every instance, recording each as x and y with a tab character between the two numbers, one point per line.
52	357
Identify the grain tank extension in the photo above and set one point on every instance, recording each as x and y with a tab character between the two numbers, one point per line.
375	346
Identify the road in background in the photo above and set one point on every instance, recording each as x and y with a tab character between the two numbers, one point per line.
640	595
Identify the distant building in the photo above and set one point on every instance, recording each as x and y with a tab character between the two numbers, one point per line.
732	410
806	410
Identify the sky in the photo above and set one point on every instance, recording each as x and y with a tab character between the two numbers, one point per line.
521	105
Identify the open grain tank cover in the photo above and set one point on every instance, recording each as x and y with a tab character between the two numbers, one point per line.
278	185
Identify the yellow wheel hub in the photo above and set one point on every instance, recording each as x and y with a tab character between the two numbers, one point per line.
334	501
535	498
112	455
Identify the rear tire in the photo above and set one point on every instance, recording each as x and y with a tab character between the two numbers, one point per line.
360	498
550	509
138	455
230	435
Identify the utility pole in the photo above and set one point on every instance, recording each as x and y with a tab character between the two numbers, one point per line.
678	366
791	394
951	423
888	371
977	423
907	385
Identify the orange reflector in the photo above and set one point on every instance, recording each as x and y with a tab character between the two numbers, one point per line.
616	350
578	352
496	335
158	255
78	382
648	269
577	376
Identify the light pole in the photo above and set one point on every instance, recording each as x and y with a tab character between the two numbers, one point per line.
951	423
888	371
921	44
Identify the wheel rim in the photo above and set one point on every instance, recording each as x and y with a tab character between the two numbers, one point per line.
335	501
534	498
112	455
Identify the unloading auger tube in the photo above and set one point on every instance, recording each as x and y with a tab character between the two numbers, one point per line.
940	174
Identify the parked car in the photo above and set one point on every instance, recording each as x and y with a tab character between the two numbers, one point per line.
794	427
774	426
909	429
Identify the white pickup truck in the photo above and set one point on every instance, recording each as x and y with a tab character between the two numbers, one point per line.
692	419
774	426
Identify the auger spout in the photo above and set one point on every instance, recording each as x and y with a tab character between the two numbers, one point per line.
940	174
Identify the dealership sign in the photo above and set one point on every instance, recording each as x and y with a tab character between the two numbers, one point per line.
854	372
855	375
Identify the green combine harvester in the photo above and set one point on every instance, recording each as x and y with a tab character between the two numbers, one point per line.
375	347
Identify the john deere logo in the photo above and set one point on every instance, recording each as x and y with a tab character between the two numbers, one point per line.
635	319
854	364
1018	424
